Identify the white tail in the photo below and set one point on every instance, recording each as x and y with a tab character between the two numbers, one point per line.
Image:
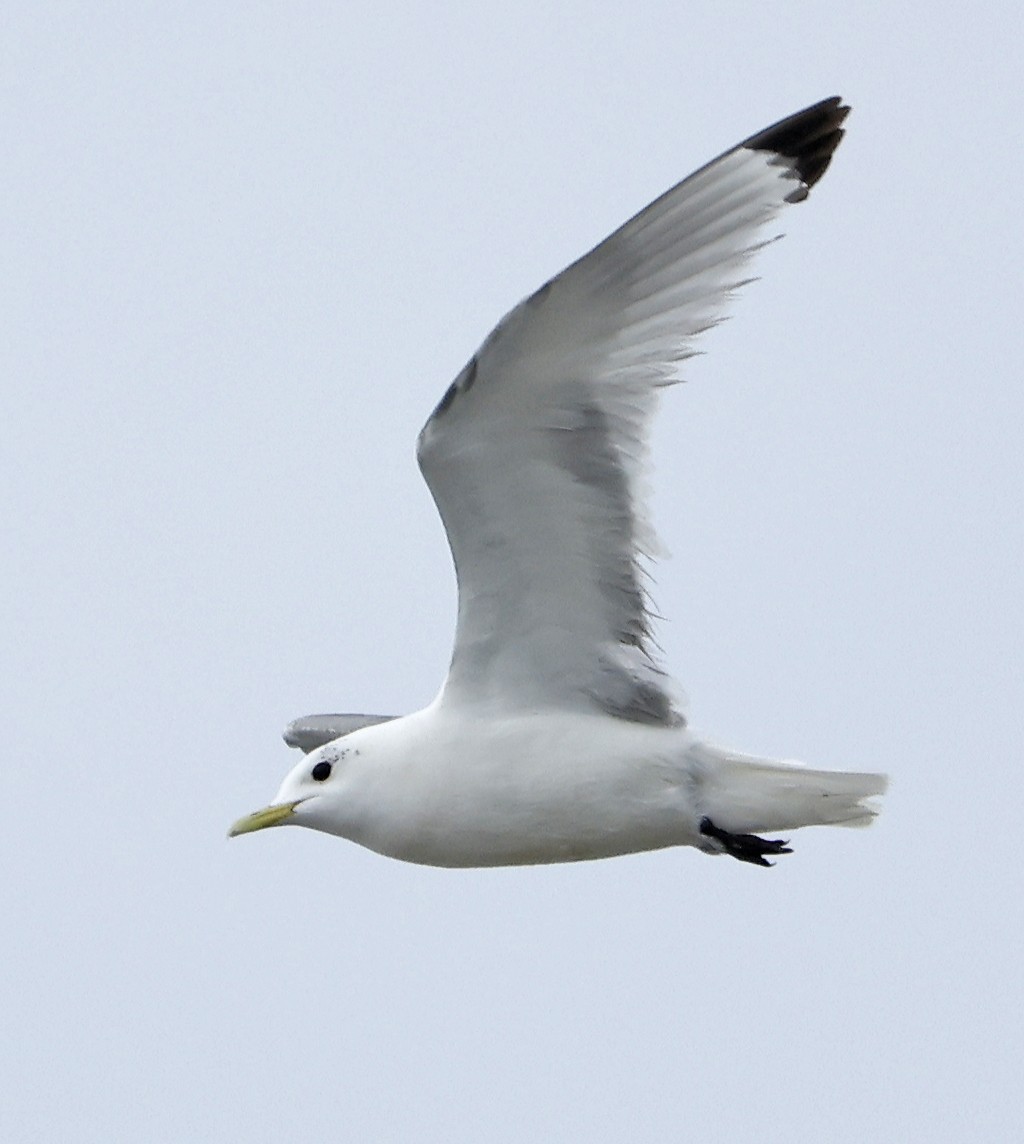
747	795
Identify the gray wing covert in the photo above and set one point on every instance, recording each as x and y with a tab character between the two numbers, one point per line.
312	731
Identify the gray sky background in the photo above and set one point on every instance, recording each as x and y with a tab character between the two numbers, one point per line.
245	248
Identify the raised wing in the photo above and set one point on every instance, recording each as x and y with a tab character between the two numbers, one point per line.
536	454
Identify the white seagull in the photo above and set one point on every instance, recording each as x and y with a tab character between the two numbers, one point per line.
557	735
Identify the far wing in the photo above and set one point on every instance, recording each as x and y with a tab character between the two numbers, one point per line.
312	731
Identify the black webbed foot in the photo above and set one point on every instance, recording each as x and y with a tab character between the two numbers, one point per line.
745	847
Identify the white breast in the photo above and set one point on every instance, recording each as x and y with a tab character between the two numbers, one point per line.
549	787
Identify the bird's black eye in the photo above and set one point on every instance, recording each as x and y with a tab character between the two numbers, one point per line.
321	772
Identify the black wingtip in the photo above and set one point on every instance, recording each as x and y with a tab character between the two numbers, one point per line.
807	139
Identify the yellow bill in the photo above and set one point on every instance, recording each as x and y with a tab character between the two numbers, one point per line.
269	816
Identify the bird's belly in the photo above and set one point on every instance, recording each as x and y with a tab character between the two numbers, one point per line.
482	815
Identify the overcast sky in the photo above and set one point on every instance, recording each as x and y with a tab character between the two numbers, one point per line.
245	248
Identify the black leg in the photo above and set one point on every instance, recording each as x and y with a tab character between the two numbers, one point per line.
745	847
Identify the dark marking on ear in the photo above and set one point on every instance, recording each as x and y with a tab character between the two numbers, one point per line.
807	140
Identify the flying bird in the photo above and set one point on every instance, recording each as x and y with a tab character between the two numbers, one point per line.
558	735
